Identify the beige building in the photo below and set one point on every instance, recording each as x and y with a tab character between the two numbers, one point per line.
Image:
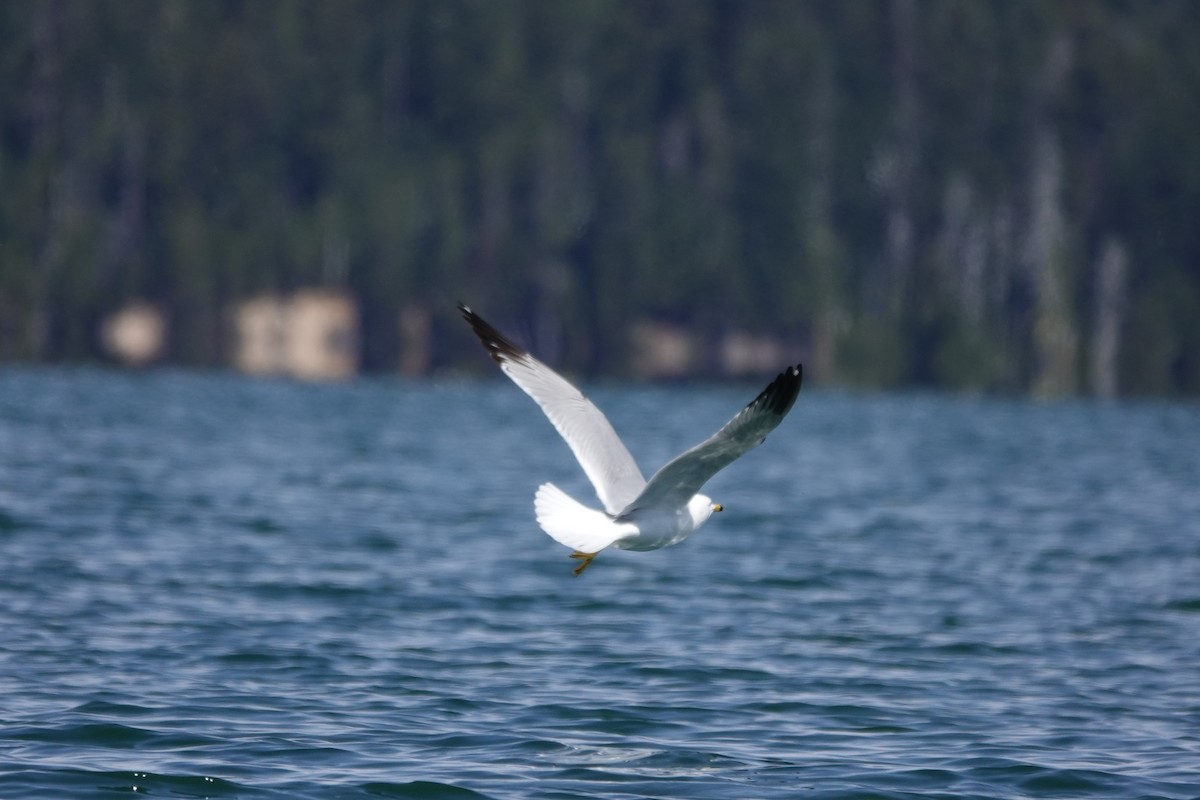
661	350
311	334
135	335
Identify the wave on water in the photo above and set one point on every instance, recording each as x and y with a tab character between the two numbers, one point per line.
215	587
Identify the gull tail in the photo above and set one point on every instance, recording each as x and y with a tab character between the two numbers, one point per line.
571	523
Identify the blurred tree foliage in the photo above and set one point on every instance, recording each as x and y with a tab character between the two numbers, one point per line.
987	196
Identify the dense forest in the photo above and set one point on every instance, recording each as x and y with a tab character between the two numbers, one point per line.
972	195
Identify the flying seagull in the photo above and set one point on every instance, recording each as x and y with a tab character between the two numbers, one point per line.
638	514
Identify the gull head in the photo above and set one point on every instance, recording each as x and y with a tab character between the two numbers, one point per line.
701	507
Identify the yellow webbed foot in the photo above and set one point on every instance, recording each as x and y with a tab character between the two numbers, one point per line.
584	560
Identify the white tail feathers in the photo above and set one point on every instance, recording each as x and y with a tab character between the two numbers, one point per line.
571	523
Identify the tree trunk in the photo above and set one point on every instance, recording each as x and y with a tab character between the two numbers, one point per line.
1108	312
1054	335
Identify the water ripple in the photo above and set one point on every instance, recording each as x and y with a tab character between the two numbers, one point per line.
223	588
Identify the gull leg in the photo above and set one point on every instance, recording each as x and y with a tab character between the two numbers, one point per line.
584	560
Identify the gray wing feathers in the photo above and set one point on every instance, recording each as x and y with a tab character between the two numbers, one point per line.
603	456
683	476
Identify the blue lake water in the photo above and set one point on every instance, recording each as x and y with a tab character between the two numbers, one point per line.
218	587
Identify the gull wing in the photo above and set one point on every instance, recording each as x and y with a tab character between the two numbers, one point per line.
677	482
588	433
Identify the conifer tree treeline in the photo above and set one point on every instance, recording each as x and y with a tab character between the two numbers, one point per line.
996	196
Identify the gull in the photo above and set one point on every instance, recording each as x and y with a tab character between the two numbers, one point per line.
638	514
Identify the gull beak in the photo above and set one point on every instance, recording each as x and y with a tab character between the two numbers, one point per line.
718	507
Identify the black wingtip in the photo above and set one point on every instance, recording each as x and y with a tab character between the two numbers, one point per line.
499	346
780	395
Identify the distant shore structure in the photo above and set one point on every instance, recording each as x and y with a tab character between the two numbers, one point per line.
662	351
312	334
315	334
136	334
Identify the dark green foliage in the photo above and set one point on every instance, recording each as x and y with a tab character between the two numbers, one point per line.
915	192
